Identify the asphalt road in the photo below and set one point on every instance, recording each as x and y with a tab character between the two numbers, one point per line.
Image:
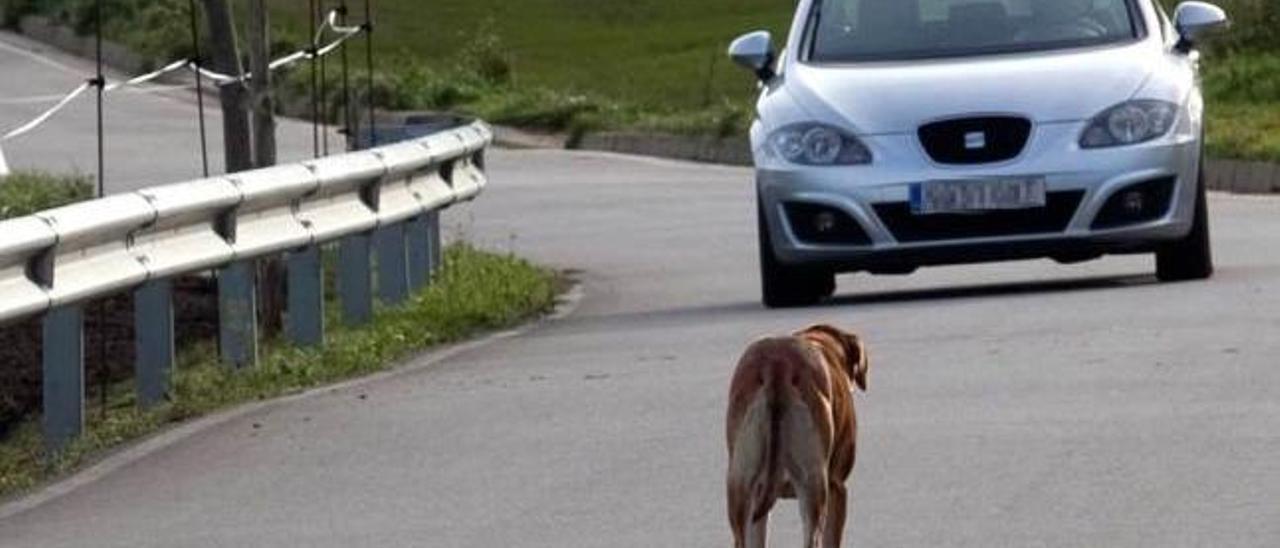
152	133
1017	404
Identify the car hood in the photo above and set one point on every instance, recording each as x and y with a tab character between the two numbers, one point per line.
878	98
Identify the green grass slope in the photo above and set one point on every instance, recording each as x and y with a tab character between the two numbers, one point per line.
660	64
637	64
655	53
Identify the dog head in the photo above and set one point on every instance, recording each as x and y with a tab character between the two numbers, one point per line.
850	346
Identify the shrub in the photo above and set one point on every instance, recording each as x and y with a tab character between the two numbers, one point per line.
27	192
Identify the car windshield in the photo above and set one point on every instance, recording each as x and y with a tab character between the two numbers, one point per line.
881	30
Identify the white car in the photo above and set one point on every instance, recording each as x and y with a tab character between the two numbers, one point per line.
896	134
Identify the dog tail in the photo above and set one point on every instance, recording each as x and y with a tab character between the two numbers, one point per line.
764	490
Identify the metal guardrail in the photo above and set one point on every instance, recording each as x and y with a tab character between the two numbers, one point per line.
383	202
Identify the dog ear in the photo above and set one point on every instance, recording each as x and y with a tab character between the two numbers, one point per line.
856	362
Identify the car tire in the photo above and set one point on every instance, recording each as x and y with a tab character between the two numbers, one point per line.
784	286
1190	258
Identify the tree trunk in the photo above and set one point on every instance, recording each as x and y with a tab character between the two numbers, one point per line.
271	290
264	122
226	59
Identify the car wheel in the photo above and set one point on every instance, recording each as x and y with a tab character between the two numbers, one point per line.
1190	258
784	286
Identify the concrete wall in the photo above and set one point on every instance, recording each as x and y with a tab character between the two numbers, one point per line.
1243	177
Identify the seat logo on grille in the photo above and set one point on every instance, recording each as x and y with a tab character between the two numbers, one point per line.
975	140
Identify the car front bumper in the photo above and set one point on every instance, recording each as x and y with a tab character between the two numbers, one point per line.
870	195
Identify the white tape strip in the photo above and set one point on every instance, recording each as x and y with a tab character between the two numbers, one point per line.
4	166
345	33
35	99
288	60
334	45
333	24
48	113
149	76
215	76
139	80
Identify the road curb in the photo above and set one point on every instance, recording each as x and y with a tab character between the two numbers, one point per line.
1242	177
734	151
567	305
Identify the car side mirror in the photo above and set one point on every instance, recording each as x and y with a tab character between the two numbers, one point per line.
754	51
1193	19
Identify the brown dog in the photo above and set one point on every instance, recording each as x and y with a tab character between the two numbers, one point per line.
792	430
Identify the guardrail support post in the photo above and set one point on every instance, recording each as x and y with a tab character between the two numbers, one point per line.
355	288
306	297
63	376
393	272
436	239
417	235
238	315
153	313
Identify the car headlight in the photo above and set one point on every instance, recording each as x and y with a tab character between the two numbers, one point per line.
1130	123
819	145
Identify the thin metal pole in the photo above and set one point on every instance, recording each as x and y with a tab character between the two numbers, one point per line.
711	76
315	99
195	43
368	38
324	88
100	82
346	81
104	370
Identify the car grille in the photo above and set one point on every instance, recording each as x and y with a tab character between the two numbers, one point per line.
906	226
975	140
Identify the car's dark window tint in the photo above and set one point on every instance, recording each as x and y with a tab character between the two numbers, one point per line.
869	30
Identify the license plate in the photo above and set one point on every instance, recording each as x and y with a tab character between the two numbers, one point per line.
977	196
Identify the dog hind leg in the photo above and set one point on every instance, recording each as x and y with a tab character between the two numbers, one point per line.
739	511
751	492
757	534
813	512
837	506
807	456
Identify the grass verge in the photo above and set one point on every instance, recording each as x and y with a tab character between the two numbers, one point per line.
1244	131
26	192
1243	110
476	292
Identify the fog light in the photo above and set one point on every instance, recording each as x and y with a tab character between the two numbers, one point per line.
1134	202
824	222
1137	203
